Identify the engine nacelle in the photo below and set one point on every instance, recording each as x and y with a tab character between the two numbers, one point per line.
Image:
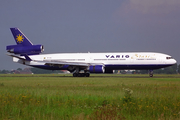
17	49
96	69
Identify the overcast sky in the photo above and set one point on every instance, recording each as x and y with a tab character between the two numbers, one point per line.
92	25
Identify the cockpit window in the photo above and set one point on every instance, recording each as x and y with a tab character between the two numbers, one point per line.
169	58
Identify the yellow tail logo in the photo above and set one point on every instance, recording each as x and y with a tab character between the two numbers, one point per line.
19	38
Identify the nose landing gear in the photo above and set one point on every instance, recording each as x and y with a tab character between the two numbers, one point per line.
150	73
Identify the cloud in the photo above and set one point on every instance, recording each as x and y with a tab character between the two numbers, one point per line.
148	11
154	6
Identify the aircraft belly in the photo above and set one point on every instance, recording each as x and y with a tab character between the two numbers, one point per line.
51	67
138	67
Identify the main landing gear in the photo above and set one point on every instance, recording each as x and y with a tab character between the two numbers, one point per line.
150	73
77	74
81	74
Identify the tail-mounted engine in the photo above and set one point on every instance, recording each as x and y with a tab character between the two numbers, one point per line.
29	50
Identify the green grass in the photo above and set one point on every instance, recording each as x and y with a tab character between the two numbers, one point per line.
131	97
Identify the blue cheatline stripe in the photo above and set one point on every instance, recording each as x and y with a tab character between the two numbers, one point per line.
138	67
112	67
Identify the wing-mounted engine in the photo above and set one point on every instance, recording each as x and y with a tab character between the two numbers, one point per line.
29	50
96	69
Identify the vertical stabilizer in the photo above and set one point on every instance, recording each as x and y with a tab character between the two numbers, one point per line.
24	45
20	38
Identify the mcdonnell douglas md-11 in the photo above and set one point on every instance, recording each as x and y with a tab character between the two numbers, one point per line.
28	54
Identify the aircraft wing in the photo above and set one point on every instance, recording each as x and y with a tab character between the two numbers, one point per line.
62	63
57	63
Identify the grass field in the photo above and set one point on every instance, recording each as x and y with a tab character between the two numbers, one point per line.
108	97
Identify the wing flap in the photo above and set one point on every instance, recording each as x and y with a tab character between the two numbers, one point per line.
57	63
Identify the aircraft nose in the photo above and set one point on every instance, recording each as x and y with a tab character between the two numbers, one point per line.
174	61
171	61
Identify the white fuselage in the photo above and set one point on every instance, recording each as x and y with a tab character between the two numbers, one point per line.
124	60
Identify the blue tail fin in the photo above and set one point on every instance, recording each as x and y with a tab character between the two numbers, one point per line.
20	38
24	45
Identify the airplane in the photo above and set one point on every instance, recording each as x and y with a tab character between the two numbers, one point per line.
82	64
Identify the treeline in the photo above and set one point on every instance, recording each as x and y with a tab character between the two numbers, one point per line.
5	72
175	69
42	71
30	71
168	70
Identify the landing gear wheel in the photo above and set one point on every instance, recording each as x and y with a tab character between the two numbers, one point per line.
81	74
75	74
150	73
87	74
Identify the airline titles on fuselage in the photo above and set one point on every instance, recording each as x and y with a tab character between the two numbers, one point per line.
117	56
143	56
135	56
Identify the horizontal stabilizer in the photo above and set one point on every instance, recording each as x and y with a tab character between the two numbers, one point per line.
27	58
16	56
